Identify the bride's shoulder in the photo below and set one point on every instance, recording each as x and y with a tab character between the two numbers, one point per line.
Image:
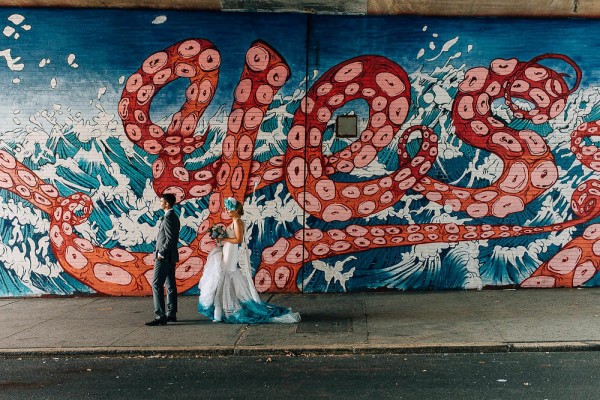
238	221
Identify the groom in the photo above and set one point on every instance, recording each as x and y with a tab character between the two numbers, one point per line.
165	259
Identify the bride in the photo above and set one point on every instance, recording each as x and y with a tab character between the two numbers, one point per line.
227	293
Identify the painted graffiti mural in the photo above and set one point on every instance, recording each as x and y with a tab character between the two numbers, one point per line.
474	166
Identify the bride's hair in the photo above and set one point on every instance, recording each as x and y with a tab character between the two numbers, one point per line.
239	207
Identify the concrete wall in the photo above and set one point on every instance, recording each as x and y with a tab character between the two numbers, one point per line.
474	165
525	8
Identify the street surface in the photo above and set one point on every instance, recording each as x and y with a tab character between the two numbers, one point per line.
536	375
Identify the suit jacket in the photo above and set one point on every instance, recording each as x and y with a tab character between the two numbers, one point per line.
168	237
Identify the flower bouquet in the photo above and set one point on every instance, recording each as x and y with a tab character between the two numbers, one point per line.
218	233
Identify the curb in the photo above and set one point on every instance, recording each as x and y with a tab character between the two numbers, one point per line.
317	350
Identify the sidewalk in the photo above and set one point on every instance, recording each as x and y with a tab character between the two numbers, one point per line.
398	322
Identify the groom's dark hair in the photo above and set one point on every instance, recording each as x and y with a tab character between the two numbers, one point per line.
169	198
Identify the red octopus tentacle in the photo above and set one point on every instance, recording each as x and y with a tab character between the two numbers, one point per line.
385	86
578	261
519	184
266	173
587	154
113	271
314	244
265	72
529	167
551	85
121	272
17	178
573	265
199	61
508	77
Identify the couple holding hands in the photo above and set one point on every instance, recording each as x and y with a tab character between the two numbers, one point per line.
227	293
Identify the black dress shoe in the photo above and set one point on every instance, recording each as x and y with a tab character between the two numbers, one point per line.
157	322
171	318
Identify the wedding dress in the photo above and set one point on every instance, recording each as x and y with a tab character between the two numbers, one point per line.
227	292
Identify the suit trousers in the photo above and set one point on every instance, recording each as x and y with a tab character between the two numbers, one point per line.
164	275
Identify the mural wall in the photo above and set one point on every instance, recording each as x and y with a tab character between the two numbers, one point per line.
475	163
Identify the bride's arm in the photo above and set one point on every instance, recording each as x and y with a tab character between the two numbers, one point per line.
238	230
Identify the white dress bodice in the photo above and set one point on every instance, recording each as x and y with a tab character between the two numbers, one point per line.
230	252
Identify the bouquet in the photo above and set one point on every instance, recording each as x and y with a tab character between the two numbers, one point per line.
217	232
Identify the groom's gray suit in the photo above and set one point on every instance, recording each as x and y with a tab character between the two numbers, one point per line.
166	257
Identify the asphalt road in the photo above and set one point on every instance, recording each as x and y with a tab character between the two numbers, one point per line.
549	376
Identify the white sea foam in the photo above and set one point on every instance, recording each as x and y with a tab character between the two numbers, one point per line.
8	31
161	19
445	48
101	92
332	273
16	19
12	63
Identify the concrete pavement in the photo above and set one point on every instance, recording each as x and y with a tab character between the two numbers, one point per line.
394	322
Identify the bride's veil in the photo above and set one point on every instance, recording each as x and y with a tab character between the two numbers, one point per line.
245	253
246	269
